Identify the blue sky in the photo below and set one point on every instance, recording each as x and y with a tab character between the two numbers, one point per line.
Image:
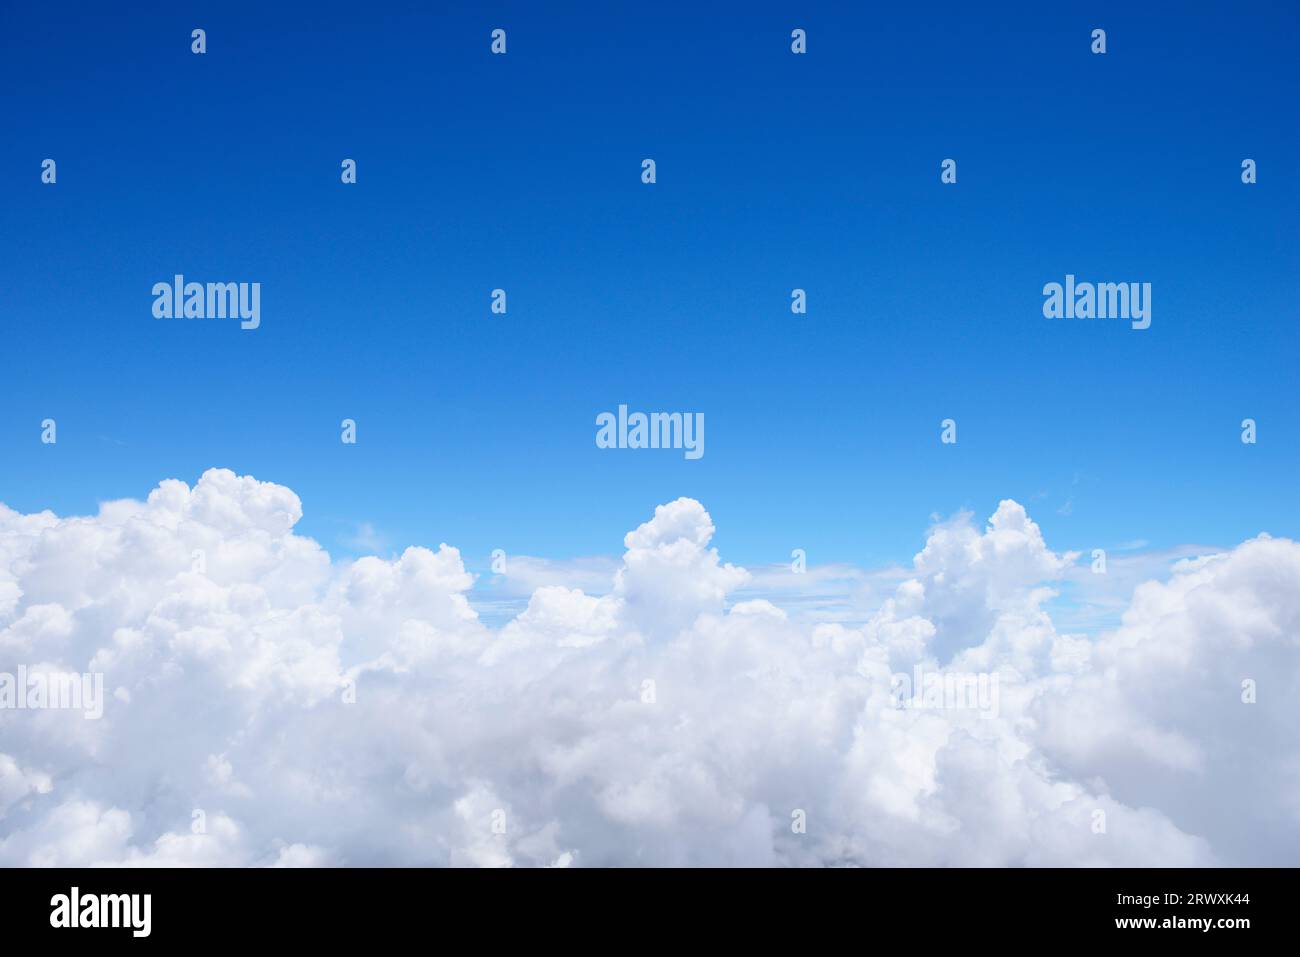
775	171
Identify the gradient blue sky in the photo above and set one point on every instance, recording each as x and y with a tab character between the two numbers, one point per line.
775	171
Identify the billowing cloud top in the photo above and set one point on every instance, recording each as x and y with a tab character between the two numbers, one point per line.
266	706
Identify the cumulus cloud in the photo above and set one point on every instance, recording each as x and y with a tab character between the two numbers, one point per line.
269	706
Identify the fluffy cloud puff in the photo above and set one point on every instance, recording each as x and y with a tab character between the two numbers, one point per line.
266	706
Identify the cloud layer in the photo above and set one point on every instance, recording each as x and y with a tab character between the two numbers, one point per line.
267	706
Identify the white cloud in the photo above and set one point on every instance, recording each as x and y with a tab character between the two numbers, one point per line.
366	538
361	712
17	784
